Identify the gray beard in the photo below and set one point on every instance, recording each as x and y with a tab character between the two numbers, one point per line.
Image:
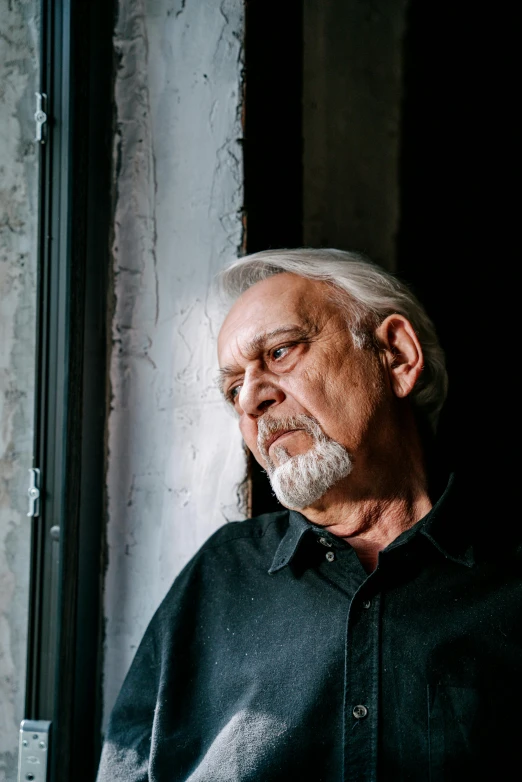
301	480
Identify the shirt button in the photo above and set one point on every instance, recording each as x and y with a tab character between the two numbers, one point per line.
366	603
359	712
330	556
325	542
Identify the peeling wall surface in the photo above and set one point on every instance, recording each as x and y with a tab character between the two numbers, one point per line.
175	459
18	234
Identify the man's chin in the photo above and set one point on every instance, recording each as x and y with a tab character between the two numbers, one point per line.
282	455
305	480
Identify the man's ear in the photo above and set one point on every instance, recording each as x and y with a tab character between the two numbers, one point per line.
402	353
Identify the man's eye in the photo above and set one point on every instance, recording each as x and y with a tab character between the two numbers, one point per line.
280	352
233	393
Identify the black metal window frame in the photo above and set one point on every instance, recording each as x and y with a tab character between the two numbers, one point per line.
67	556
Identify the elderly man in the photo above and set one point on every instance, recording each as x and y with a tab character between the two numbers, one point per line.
370	631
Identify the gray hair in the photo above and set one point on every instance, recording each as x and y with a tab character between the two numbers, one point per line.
366	292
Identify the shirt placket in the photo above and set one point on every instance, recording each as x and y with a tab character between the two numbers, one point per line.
362	666
361	694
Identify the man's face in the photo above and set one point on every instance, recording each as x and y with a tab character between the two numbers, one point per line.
285	351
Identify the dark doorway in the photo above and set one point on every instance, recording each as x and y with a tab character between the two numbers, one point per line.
272	152
456	241
428	195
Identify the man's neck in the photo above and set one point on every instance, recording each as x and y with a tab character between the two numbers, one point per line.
376	527
370	517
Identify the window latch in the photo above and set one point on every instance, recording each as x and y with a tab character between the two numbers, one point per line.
34	492
40	117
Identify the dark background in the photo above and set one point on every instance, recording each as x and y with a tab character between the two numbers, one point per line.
443	75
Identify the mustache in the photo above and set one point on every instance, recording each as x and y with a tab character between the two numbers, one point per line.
269	426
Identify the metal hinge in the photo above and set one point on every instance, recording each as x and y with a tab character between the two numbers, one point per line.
33	757
40	117
34	492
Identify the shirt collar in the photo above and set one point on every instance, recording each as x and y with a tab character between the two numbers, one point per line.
298	526
440	526
448	526
444	527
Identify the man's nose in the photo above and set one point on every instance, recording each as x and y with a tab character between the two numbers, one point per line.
259	392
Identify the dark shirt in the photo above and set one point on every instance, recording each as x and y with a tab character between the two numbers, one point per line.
275	656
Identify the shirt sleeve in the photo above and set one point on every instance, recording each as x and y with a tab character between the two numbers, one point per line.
126	749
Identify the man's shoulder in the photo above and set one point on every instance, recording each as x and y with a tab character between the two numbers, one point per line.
238	553
268	527
248	545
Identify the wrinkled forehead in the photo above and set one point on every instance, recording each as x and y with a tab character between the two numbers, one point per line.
270	304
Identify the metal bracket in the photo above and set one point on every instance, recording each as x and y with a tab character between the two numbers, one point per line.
40	117
33	757
34	492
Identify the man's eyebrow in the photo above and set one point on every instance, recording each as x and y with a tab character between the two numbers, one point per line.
257	344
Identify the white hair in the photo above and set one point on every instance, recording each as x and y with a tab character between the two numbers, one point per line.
366	292
301	480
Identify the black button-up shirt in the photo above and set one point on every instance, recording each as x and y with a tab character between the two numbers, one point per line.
275	656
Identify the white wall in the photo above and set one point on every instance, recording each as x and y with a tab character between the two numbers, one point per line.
174	454
18	224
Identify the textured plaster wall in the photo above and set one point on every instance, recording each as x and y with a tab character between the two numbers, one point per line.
18	223
175	459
